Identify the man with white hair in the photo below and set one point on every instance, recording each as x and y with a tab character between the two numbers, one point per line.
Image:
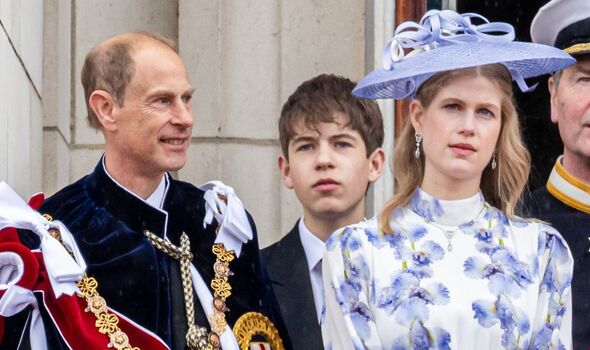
565	201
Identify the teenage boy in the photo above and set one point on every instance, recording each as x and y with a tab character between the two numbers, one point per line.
331	143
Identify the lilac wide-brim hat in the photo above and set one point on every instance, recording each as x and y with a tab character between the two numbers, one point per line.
444	41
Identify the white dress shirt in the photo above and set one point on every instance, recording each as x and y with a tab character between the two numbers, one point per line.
314	250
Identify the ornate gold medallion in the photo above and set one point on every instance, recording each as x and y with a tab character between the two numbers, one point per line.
251	324
119	340
96	304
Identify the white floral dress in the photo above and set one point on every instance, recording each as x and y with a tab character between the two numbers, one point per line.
452	275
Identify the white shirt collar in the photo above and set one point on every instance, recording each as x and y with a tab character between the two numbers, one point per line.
312	246
156	199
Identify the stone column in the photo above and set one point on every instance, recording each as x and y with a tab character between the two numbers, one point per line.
21	90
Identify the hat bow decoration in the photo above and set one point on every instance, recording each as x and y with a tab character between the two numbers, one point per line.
446	41
441	28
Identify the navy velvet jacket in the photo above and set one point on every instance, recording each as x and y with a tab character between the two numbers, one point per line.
574	226
140	281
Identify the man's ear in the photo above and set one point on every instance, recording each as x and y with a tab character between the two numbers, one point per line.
103	104
553	98
416	113
376	163
285	171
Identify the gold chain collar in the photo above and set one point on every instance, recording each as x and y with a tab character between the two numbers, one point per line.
106	322
246	327
196	336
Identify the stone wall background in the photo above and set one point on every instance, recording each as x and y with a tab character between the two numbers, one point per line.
21	89
244	59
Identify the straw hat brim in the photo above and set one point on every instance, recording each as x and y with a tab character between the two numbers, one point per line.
406	76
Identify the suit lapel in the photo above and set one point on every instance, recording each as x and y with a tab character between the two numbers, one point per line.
289	273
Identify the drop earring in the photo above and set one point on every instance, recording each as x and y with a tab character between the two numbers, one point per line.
494	161
418	141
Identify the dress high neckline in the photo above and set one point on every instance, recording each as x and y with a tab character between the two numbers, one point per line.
446	212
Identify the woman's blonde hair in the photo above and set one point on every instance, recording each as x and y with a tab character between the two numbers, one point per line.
501	187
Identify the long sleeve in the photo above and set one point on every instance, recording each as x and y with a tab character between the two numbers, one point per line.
335	332
553	320
348	322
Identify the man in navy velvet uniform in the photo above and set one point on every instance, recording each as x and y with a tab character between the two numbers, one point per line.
129	208
565	201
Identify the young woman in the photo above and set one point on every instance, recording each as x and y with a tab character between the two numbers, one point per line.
447	265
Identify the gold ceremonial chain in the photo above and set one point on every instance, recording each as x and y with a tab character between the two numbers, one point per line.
106	322
53	232
197	337
221	287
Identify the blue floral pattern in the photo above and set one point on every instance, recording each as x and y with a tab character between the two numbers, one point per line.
506	280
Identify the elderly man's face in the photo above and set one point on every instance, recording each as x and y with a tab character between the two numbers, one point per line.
156	119
570	108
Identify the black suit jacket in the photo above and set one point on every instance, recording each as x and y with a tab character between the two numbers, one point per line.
288	271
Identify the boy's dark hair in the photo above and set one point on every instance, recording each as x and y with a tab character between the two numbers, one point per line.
316	100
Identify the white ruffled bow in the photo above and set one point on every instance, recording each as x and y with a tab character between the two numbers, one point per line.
62	269
223	204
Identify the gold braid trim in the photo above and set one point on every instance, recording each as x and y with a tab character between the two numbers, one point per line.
255	323
578	48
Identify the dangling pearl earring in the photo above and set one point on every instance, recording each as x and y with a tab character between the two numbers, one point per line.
494	161
418	140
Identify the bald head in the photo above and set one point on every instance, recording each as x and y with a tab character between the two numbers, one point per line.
110	66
